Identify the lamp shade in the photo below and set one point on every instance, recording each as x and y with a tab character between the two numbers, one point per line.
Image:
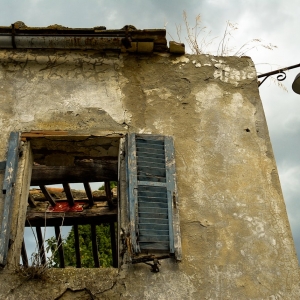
296	84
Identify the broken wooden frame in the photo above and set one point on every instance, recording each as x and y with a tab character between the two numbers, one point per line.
61	159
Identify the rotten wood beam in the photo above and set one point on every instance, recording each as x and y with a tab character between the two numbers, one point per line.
95	215
91	171
41	245
68	193
47	195
24	254
89	193
77	247
95	246
59	246
113	244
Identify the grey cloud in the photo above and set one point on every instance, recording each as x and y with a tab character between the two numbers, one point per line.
274	21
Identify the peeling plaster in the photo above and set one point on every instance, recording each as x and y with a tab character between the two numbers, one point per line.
235	234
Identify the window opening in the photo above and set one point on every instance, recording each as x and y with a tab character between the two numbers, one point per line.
83	220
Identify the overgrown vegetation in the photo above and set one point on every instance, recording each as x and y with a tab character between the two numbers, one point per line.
113	184
85	242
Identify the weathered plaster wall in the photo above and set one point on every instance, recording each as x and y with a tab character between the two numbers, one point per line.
236	240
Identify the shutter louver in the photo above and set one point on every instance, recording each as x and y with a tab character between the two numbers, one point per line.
151	190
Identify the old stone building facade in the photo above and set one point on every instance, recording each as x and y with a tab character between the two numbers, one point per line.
71	95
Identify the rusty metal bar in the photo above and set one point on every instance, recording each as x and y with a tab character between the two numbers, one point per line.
77	248
41	244
95	246
89	193
69	195
59	246
47	195
24	254
280	77
113	244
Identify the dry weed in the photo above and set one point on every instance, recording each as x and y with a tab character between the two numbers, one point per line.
199	40
37	269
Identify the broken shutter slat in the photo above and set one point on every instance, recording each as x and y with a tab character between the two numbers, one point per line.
8	189
152	190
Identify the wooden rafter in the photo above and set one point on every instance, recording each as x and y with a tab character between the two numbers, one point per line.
89	193
47	195
68	193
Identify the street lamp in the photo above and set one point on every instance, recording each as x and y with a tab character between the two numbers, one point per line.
281	76
296	84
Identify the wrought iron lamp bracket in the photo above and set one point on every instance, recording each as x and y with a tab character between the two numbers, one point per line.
281	74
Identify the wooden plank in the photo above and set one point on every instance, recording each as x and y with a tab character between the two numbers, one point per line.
61	133
175	241
89	193
68	193
95	246
31	201
164	246
89	171
77	246
60	248
113	244
41	244
24	254
43	133
8	190
95	215
47	195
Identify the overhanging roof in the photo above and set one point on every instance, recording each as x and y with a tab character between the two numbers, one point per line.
127	39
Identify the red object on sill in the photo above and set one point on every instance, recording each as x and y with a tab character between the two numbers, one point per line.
65	207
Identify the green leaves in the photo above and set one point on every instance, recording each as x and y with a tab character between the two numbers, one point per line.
85	242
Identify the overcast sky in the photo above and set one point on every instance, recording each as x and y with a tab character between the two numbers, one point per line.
273	21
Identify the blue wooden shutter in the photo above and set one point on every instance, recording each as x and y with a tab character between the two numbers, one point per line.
11	166
152	195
